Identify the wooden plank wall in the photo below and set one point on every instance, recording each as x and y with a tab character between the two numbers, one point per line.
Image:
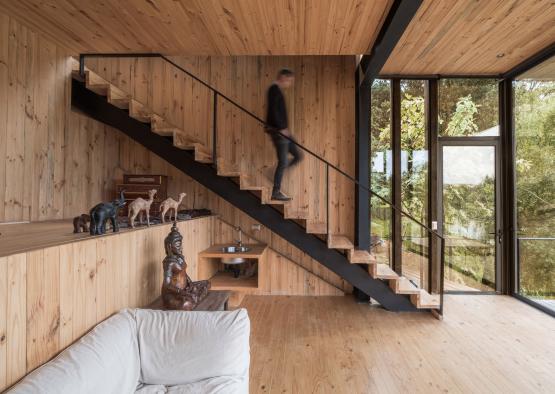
321	109
285	277
50	297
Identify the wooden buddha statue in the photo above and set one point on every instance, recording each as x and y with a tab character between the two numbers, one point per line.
178	290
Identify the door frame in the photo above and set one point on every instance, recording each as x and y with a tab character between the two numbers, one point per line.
494	141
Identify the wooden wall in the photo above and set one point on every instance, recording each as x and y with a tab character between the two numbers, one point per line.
50	297
284	276
321	110
58	163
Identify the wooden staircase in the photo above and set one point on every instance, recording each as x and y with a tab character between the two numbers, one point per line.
203	154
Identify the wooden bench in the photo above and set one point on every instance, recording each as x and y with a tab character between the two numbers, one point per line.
216	300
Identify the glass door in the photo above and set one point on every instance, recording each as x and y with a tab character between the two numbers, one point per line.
468	196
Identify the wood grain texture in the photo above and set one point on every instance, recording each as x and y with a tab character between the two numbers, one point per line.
50	297
81	160
321	111
485	344
472	37
215	27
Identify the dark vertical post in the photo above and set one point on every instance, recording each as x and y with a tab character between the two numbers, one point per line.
508	248
362	196
432	133
215	131
396	187
82	65
327	200
442	275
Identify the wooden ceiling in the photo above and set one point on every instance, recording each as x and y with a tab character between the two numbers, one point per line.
207	27
472	36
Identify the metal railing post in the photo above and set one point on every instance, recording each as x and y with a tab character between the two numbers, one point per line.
215	130
327	200
441	279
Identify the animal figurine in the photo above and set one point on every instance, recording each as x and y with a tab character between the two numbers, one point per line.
102	212
140	206
81	223
170	203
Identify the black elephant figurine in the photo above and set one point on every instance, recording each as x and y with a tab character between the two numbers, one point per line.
104	211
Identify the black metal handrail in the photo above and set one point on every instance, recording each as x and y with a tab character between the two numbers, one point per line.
254	116
217	93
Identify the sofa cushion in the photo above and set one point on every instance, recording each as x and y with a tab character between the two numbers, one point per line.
178	348
219	385
106	360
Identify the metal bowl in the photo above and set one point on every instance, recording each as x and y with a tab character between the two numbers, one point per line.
235	249
233	260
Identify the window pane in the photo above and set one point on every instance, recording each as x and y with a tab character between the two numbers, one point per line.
468	107
381	171
534	117
414	180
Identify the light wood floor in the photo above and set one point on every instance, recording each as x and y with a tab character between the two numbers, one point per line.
485	344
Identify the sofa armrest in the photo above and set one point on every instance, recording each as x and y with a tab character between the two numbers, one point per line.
183	347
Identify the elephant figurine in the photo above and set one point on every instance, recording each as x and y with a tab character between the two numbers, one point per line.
81	223
104	211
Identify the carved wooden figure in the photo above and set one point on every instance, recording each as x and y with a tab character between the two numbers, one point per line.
168	204
139	206
81	223
106	211
178	290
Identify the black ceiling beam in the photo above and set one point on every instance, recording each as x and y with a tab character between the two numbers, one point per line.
397	20
531	62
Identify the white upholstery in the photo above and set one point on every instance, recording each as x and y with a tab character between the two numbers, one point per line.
179	348
149	352
106	360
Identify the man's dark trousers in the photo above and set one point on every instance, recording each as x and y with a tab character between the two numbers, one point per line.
283	148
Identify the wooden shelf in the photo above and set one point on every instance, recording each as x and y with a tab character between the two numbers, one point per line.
24	237
225	281
215	251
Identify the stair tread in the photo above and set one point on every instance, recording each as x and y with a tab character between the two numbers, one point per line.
313	227
292	213
383	271
425	300
139	111
361	257
338	241
226	170
404	286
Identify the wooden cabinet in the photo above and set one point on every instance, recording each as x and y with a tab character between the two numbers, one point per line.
210	267
138	185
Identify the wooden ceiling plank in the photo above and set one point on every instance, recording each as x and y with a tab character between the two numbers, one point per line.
466	37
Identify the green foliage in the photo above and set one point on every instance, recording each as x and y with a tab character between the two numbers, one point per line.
465	108
462	121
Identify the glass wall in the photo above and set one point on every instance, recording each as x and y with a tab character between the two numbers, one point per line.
414	179
468	107
534	123
381	171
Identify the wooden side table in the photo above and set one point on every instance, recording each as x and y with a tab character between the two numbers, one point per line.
216	300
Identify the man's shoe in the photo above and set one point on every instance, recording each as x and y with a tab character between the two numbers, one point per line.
279	196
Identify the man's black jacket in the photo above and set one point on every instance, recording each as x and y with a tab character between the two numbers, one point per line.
277	113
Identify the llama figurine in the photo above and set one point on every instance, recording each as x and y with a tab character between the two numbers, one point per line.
139	206
170	203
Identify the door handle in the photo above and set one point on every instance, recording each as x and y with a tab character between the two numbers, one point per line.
498	234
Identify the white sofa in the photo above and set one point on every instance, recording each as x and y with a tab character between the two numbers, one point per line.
145	351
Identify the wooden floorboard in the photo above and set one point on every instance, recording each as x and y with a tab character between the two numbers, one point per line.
485	344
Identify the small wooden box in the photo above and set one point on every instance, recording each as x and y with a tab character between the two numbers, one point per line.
138	185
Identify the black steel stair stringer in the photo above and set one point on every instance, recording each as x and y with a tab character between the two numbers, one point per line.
98	108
